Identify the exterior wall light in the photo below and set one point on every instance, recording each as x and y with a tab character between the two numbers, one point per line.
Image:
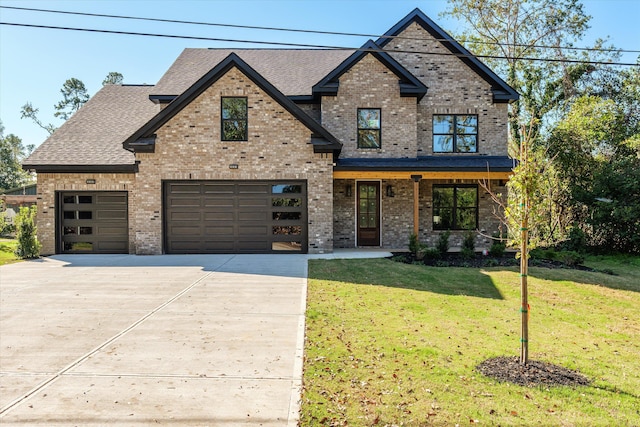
390	192
347	190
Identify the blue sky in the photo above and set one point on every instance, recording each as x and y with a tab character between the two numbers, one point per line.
34	63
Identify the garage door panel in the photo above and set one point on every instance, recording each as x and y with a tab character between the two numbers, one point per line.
254	188
224	215
234	216
185	216
252	216
218	190
218	231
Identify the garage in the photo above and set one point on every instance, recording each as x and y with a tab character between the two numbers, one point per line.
92	222
235	217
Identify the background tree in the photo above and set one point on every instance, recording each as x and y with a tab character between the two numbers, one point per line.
28	111
74	95
12	153
518	30
113	78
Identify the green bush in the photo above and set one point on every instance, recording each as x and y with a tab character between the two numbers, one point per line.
498	245
443	242
570	258
28	245
467	253
543	253
414	245
469	241
431	253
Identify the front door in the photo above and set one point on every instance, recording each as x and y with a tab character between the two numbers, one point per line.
368	213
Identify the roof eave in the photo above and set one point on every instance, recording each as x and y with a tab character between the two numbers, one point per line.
46	168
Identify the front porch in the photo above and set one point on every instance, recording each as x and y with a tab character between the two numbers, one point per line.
391	205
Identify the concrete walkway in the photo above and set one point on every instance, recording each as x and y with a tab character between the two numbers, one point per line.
172	340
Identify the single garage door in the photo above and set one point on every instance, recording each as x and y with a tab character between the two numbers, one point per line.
235	216
93	222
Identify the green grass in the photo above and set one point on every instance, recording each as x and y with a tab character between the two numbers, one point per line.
7	249
396	344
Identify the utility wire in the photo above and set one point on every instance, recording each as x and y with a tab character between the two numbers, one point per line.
251	27
312	46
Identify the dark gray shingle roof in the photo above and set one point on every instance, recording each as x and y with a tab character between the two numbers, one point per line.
94	134
292	71
474	163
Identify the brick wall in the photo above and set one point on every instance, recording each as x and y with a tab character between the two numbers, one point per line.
397	214
369	84
49	183
189	147
454	88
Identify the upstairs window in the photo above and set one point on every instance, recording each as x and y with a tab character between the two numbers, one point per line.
455	207
368	128
455	133
234	119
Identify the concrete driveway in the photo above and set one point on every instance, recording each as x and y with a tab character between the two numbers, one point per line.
170	340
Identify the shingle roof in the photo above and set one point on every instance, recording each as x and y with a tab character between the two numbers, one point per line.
475	163
292	71
93	135
322	140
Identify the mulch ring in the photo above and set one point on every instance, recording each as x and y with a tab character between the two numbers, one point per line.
534	373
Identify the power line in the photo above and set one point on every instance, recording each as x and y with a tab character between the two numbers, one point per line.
312	46
252	27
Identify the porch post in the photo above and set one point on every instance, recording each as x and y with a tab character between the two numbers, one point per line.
416	203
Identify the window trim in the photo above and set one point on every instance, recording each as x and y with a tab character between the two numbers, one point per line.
379	129
245	119
454	144
454	208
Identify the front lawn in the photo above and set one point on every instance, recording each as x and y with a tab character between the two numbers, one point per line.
397	344
7	251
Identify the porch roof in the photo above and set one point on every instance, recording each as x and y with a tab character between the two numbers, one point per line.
460	163
428	167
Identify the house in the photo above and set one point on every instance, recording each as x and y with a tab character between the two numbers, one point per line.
13	199
281	150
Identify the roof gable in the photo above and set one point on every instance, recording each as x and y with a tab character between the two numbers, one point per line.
144	138
502	92
409	84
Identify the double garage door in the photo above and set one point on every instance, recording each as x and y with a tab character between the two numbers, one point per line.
235	216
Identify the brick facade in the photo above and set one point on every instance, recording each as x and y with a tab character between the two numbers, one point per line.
50	183
370	84
189	147
454	88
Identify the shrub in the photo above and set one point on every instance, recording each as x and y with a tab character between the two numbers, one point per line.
469	241
443	242
498	246
28	245
431	253
467	253
543	253
570	258
414	245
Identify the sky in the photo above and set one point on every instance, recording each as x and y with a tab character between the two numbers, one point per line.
34	62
